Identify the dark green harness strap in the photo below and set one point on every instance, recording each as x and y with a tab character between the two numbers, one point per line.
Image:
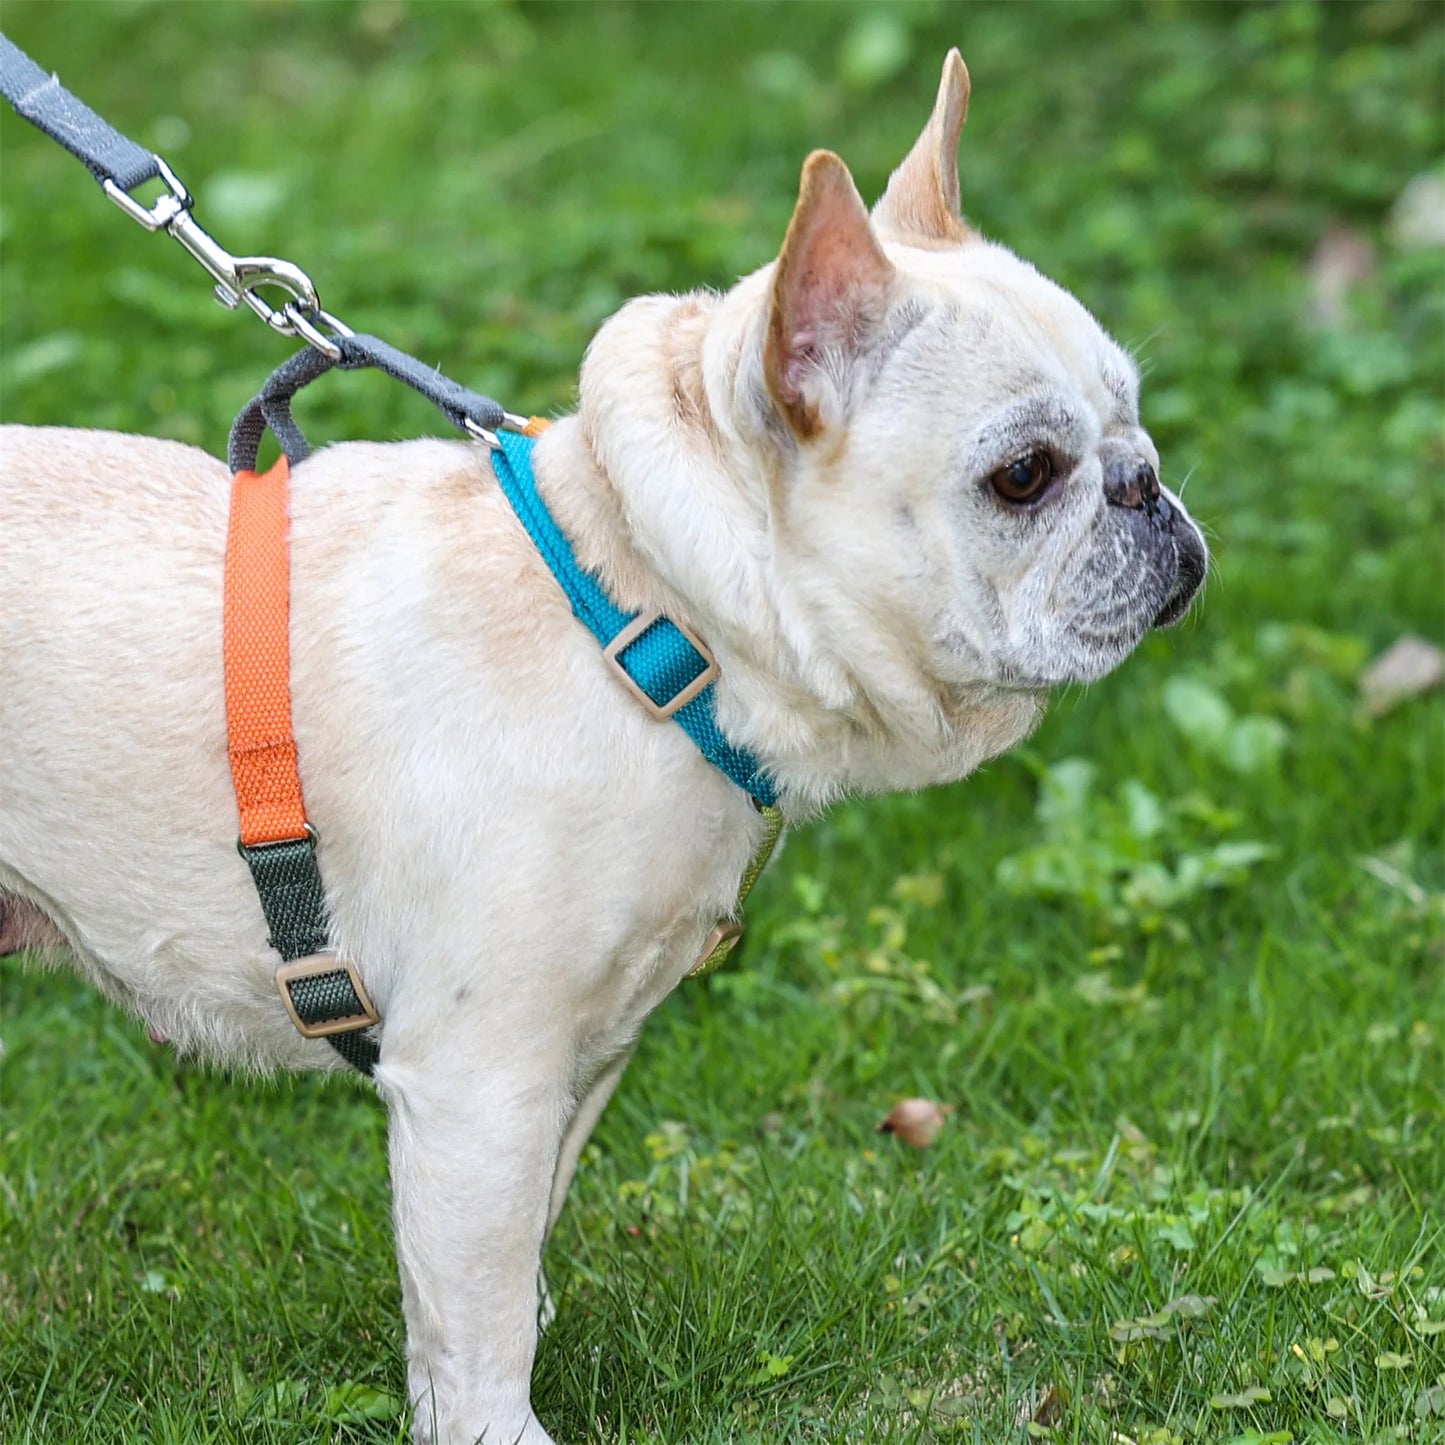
293	899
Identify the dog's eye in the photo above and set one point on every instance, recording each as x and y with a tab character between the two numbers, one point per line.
1024	479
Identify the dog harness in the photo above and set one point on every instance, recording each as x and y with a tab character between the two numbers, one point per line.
662	665
322	993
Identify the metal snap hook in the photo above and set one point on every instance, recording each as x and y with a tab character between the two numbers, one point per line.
308	328
249	272
165	210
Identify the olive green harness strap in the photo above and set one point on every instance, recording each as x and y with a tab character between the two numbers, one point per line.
726	936
292	898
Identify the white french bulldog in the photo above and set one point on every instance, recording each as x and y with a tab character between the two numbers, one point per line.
896	481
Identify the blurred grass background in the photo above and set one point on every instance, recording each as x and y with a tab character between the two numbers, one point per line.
1177	963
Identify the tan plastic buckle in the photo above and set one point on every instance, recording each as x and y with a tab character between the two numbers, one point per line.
629	634
316	965
720	943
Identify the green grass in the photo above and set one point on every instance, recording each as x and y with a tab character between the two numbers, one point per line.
1186	996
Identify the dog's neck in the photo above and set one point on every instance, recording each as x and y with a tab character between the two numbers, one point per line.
669	483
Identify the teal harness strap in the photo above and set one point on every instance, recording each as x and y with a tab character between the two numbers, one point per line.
661	661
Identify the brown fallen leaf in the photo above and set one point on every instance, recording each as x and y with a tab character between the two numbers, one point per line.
1050	1409
915	1121
1409	666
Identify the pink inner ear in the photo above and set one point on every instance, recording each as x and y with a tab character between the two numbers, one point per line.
832	275
836	272
839	270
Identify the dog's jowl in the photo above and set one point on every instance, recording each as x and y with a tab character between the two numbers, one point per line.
894	483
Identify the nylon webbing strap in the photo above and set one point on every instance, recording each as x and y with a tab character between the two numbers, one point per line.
41	99
459	404
292	897
728	938
271	406
258	659
324	996
660	659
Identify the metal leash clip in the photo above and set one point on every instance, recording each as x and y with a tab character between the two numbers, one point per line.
237	278
510	421
121	166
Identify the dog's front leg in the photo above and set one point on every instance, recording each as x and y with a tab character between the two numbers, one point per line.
474	1145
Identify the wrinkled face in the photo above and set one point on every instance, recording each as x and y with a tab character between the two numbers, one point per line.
974	424
1022	508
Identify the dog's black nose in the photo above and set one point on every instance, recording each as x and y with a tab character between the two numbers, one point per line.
1130	482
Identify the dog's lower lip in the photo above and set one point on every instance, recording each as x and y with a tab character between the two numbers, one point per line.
1174	608
1186	588
1179	600
1191	560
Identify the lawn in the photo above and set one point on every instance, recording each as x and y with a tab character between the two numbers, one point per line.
1176	964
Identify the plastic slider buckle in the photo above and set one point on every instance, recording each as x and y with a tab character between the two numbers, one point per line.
640	624
292	976
718	947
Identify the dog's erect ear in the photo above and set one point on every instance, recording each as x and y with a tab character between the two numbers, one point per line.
830	288
920	206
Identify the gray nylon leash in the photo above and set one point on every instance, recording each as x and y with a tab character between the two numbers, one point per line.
121	166
270	408
46	104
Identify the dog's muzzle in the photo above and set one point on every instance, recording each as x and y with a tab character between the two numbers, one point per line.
1133	483
1192	560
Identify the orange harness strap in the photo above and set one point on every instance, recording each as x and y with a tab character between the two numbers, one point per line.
323	994
258	658
259	736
